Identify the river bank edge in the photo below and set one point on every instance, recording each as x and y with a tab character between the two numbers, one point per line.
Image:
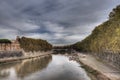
15	59
91	71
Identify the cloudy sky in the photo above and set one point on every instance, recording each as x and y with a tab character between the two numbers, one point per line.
58	21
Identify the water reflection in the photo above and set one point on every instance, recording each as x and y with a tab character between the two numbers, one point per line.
31	66
55	67
21	69
5	69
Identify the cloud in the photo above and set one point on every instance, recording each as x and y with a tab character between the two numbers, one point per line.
24	26
53	27
38	35
58	21
8	33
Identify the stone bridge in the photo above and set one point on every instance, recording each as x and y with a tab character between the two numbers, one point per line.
62	51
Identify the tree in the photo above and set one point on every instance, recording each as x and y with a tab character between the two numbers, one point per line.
30	44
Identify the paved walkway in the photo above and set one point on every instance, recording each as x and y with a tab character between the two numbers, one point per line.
105	69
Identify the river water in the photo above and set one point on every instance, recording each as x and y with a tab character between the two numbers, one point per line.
55	67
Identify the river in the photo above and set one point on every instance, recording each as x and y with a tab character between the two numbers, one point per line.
55	67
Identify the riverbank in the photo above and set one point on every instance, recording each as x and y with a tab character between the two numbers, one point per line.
97	69
13	59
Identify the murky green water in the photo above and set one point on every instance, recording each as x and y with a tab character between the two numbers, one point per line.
55	67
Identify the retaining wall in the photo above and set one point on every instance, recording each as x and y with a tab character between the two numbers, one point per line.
8	54
110	57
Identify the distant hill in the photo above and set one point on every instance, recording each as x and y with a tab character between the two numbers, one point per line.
105	37
30	44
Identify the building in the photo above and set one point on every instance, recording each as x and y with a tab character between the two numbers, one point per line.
10	46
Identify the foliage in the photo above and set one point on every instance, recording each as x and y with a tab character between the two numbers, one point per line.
29	44
5	41
105	37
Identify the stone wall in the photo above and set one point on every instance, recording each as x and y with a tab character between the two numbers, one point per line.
110	57
9	54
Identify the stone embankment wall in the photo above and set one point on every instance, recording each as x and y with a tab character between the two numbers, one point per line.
22	53
8	54
35	53
109	57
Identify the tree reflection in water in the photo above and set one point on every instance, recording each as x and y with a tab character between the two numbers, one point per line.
28	67
6	68
55	67
23	68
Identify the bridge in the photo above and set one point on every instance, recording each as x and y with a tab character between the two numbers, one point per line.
62	51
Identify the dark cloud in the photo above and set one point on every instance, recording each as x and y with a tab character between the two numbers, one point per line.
58	21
